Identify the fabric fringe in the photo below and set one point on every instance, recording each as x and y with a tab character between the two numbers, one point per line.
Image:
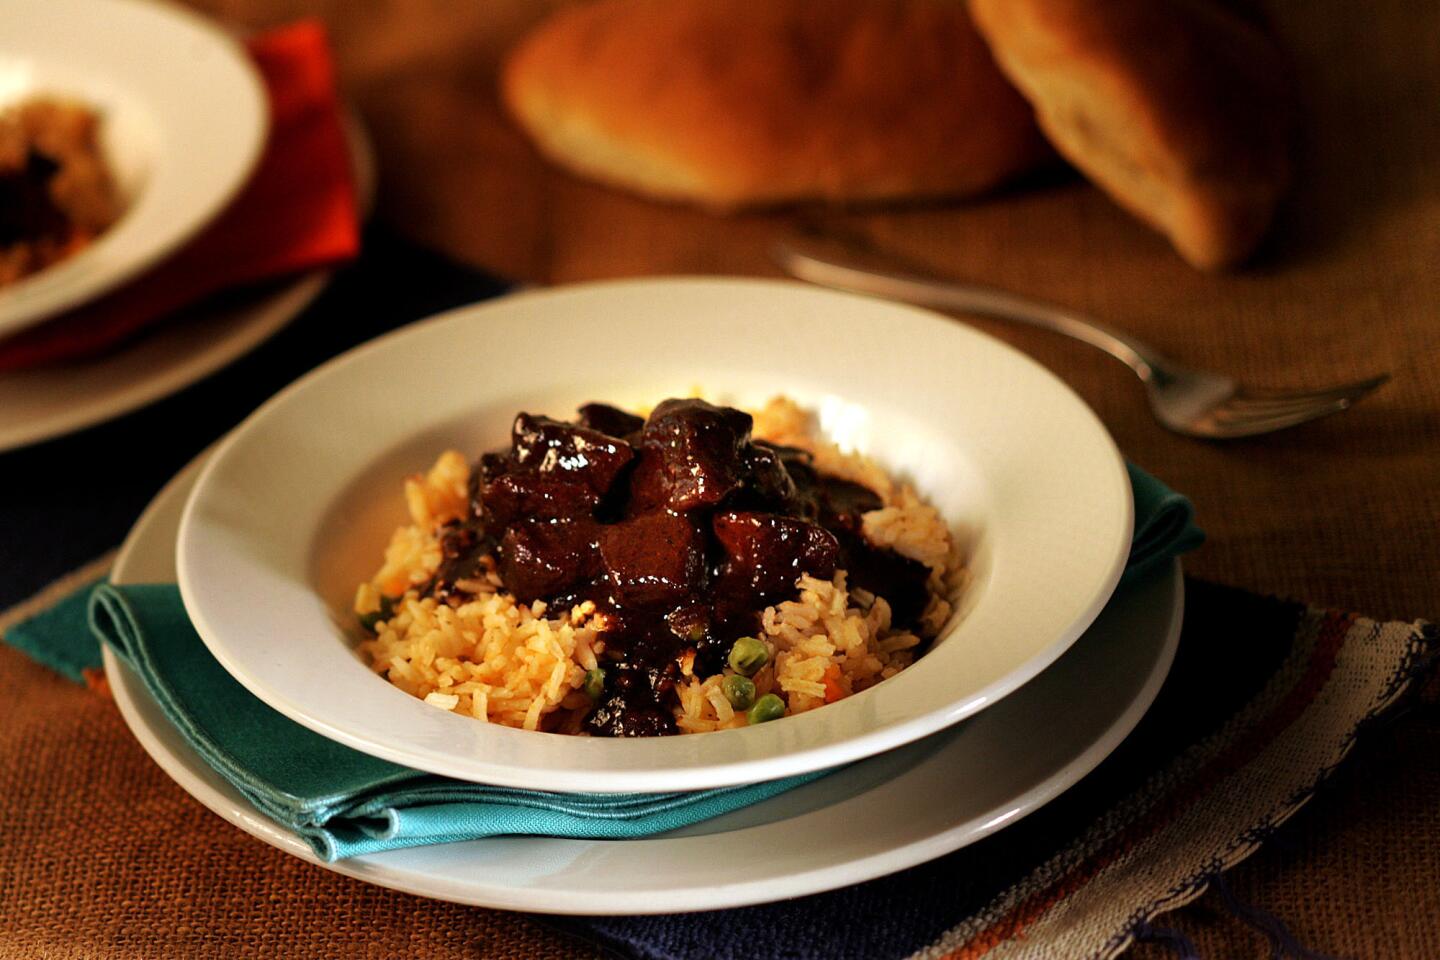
1282	942
1408	684
1175	941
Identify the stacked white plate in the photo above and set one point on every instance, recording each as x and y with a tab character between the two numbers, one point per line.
1025	691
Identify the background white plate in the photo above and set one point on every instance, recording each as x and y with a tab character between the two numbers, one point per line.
184	118
53	400
951	789
295	507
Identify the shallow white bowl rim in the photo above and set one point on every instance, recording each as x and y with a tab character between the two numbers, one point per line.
1044	490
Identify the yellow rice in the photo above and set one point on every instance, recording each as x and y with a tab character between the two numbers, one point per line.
523	665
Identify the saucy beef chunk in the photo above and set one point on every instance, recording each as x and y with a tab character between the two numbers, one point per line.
546	446
642	668
697	449
517	496
768	485
540	558
900	580
649	484
631	708
611	421
679	529
623	714
885	573
653	560
843	503
766	553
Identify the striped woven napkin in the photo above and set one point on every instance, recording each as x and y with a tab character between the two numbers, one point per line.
1263	702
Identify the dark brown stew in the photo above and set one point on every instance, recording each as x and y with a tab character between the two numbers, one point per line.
680	529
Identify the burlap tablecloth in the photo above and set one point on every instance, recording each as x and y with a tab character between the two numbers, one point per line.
104	857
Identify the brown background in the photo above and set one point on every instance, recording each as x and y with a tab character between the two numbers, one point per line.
1342	512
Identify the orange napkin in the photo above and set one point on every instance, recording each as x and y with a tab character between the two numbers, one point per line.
297	212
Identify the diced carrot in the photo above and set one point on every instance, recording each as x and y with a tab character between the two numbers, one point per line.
833	690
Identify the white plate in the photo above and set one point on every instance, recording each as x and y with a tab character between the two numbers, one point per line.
184	116
952	789
295	507
55	399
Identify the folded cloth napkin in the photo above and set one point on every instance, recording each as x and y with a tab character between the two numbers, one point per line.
344	802
341	800
1164	523
298	212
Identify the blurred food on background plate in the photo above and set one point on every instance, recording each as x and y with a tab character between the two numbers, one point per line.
56	193
1181	110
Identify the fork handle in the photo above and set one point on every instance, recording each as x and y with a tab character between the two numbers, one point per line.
828	270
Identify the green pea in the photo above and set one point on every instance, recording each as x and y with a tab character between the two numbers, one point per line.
740	691
768	707
747	656
594	683
372	619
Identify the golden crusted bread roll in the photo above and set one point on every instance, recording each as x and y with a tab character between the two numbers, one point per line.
1181	110
733	103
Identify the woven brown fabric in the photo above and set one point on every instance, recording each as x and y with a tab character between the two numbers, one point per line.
1339	513
104	856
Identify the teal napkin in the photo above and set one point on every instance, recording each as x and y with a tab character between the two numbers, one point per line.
344	802
1164	524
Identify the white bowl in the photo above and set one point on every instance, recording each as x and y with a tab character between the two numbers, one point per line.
184	115
296	506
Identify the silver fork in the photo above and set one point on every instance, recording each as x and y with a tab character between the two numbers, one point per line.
1196	403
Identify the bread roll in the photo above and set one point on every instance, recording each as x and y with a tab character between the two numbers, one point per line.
733	103
1179	109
